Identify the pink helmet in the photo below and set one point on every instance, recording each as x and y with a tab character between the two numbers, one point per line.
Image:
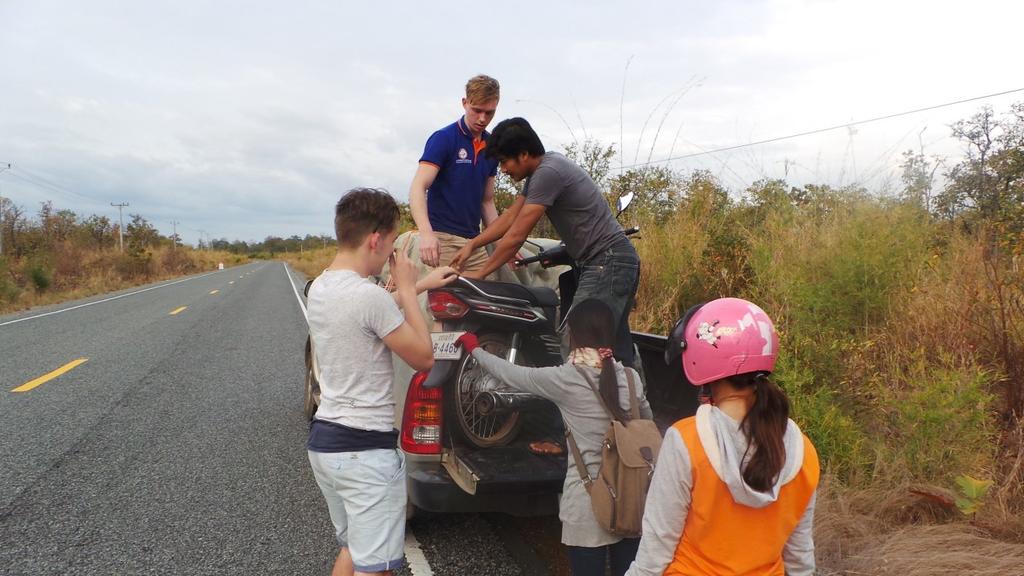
723	338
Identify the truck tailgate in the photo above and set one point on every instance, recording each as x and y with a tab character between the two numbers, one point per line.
506	469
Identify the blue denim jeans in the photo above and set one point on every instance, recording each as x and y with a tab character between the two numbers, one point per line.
612	277
594	561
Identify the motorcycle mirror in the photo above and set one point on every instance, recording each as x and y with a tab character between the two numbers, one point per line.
624	201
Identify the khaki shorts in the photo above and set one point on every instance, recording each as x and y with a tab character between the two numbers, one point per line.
449	244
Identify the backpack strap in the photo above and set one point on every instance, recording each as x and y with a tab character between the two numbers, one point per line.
596	391
634	402
576	456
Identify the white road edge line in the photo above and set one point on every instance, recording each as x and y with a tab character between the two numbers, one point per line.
291	281
414	555
104	300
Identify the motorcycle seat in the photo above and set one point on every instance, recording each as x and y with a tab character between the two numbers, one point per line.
536	295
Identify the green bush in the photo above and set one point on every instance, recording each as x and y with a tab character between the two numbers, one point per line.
828	272
135	263
835	270
40	275
841	443
9	290
941	419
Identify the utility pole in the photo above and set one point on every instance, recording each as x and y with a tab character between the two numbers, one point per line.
120	231
174	238
2	168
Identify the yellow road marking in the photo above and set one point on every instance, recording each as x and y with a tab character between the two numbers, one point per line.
214	291
176	310
231	282
47	377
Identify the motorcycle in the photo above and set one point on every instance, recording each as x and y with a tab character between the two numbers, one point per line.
517	322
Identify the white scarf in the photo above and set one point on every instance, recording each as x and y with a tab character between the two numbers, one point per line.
588	357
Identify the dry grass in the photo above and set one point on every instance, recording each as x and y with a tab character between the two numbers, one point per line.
310	262
934	549
887	521
892	530
80	273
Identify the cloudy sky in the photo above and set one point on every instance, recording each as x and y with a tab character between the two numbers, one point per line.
249	119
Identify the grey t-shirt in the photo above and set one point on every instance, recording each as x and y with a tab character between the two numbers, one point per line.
575	206
348	317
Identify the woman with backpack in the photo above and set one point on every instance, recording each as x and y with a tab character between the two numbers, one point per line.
574	387
734	490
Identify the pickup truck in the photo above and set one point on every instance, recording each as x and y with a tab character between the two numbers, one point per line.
446	473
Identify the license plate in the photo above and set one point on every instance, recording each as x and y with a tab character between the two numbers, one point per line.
445	347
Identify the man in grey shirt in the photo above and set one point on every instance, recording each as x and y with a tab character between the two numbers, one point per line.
608	265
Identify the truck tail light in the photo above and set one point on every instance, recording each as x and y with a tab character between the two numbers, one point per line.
445	305
421	419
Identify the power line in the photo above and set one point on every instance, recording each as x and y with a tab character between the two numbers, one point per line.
30	177
820	130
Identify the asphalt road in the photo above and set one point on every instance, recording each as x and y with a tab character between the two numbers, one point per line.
177	445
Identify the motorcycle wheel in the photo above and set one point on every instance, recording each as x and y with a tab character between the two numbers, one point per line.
311	388
464	423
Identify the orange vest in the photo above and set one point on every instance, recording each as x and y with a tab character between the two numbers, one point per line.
723	537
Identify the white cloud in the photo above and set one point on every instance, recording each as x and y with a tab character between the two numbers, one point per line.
248	119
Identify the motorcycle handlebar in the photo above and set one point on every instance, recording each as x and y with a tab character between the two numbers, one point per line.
546	255
529	260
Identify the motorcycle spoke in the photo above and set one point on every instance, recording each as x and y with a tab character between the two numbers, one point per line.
472	380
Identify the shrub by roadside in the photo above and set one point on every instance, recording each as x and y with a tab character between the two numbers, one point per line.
69	271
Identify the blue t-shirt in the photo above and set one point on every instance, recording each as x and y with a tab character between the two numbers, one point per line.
453	200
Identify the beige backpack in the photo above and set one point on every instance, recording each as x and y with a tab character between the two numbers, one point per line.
628	456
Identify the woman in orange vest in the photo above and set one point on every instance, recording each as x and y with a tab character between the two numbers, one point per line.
734	488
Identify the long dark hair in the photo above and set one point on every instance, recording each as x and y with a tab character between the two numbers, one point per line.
764	425
592	325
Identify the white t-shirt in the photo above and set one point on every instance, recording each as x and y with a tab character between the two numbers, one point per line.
348	317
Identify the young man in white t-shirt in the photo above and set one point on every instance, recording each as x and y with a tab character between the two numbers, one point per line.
355	326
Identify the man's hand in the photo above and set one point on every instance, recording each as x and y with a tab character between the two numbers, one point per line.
403	270
430	251
437	278
459	261
473	275
512	263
